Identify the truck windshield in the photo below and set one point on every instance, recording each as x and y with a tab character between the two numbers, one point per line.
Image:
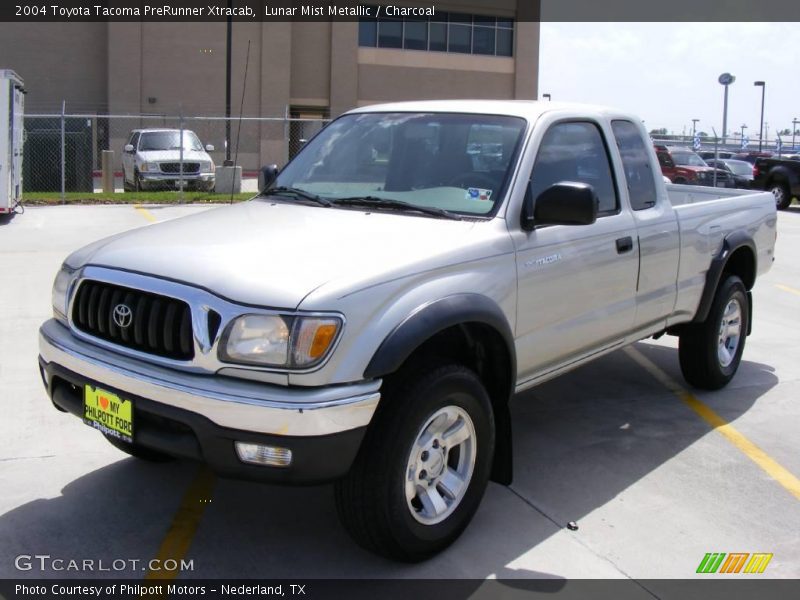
688	159
169	140
455	162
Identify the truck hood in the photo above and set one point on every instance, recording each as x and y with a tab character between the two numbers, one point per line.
274	254
172	155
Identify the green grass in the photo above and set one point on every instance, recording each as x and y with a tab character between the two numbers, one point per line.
54	198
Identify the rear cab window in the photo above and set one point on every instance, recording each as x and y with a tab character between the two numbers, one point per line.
636	163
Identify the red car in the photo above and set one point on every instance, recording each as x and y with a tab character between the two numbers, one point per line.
683	165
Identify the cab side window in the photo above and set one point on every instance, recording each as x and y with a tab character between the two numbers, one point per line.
134	141
575	151
636	162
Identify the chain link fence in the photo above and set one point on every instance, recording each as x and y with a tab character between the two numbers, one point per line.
64	152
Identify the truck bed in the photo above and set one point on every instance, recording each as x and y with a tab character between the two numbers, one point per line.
681	195
706	216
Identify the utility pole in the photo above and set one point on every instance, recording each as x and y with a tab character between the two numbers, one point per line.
228	45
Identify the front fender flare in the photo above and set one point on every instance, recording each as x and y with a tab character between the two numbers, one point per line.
432	318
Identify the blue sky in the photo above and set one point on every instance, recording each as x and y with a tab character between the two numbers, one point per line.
667	72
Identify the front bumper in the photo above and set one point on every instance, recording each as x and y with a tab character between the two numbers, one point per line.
171	180
200	416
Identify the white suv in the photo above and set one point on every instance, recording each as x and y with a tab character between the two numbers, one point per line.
152	160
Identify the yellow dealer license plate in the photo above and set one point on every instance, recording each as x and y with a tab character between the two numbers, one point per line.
108	413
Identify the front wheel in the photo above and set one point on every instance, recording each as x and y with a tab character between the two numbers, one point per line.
783	197
423	466
710	352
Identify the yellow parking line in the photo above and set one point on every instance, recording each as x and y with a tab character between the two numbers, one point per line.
145	213
767	464
786	288
179	537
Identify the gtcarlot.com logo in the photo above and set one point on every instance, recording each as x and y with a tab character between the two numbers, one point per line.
735	562
46	562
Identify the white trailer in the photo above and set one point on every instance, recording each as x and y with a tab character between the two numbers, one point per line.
12	104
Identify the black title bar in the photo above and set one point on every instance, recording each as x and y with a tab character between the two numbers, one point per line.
65	11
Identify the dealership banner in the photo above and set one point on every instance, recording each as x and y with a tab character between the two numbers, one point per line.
350	10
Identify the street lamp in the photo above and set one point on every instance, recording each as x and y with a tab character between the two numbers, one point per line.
763	86
548	96
694	126
725	79
794	130
741	136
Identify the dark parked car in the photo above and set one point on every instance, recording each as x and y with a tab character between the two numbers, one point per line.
741	171
780	176
752	156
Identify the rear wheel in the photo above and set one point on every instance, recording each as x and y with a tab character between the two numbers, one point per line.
710	352
783	197
139	452
423	466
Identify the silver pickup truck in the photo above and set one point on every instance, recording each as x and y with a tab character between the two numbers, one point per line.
367	317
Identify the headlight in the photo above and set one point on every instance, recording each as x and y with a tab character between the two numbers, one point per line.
206	166
61	292
150	167
279	341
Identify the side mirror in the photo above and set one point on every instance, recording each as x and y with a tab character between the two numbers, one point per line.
209	147
564	203
128	148
267	175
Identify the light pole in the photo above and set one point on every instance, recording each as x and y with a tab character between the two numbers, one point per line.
763	86
725	79
794	130
741	137
548	96
694	126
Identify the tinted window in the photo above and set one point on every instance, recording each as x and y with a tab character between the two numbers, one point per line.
483	40
134	140
575	152
505	40
415	36
390	34
460	38
636	162
438	32
367	33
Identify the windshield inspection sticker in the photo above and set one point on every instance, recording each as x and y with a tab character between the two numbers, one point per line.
478	194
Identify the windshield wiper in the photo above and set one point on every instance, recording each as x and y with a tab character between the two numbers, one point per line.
374	201
293	192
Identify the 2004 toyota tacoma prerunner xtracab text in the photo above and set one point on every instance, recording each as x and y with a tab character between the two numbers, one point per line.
368	316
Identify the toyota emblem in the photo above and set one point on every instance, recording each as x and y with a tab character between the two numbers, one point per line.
123	315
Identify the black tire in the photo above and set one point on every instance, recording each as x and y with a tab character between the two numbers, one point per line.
783	196
371	500
139	452
699	346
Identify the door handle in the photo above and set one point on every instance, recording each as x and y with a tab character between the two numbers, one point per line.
624	244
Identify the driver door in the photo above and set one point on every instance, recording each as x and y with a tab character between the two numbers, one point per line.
576	284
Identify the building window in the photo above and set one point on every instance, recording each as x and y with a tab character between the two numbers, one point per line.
459	33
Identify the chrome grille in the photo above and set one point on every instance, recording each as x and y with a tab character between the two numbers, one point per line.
146	322
175	167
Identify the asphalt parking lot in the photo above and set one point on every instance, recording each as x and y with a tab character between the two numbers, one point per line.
620	446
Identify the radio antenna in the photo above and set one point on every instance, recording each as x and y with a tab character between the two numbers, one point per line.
239	128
